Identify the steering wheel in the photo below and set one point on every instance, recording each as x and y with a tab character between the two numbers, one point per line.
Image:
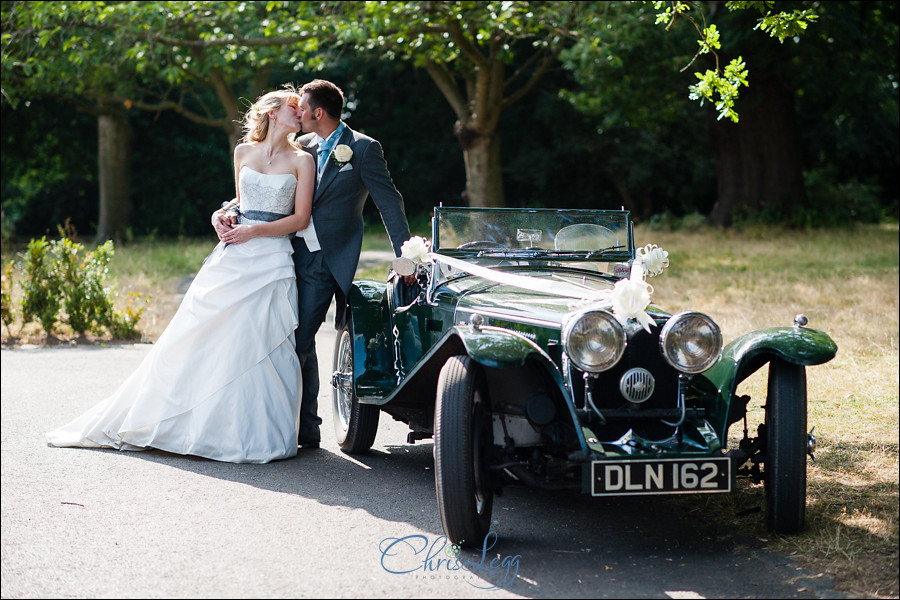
481	245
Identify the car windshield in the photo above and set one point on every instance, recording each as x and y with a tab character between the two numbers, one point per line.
596	235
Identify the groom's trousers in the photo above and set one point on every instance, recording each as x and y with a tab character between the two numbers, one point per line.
316	287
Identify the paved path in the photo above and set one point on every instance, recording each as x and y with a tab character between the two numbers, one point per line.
100	523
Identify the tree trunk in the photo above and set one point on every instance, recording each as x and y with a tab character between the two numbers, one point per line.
484	178
759	169
114	156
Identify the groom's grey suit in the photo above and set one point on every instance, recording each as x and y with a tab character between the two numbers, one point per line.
337	209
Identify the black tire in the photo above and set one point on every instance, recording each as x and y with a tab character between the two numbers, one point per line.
355	424
462	433
786	447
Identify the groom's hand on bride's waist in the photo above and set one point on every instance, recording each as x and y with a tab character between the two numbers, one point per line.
222	222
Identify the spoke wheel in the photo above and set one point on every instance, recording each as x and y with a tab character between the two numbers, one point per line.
355	424
786	447
462	436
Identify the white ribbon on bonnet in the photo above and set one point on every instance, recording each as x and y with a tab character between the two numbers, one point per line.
628	299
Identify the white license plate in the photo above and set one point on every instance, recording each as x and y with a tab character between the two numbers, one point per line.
663	476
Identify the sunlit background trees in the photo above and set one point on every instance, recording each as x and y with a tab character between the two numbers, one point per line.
121	117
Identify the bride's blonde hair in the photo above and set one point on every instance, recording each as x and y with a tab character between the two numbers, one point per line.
256	119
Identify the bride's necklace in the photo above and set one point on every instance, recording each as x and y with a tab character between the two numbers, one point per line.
271	157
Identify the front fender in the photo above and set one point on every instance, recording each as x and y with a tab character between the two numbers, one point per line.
497	347
750	352
373	358
492	347
746	354
489	346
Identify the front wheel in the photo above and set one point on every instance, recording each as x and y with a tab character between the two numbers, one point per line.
355	424
462	436
786	447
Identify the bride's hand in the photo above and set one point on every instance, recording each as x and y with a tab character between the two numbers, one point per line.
222	223
238	234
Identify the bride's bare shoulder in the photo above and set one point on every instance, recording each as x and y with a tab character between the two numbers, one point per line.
244	149
304	159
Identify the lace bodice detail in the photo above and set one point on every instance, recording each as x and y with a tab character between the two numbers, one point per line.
265	197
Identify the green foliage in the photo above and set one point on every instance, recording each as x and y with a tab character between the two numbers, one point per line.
7	311
87	304
666	221
61	275
48	178
778	25
716	86
830	204
42	300
122	324
724	87
131	50
836	203
643	142
849	132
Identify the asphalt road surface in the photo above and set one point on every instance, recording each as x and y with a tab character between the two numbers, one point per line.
103	523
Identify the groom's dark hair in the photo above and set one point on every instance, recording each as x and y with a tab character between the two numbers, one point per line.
325	95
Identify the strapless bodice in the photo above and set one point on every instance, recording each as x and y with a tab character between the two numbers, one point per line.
265	197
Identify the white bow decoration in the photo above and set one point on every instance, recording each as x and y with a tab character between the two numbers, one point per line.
653	258
631	297
628	299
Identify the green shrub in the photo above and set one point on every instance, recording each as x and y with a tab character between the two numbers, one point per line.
7	312
41	286
834	203
666	221
123	324
87	304
60	275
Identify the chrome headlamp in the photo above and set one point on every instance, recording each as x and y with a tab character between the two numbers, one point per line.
691	342
594	341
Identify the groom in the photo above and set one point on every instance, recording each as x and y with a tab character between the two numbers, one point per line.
350	167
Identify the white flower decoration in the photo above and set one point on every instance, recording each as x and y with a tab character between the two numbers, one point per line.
342	154
416	249
653	259
630	297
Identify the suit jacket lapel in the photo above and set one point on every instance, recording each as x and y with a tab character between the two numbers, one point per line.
331	169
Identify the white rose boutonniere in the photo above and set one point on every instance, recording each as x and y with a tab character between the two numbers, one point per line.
342	154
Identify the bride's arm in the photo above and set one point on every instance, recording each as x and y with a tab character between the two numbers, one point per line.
306	177
222	222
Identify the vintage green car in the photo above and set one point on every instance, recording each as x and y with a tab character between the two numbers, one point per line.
532	354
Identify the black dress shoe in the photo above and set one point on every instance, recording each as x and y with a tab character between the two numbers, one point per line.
308	445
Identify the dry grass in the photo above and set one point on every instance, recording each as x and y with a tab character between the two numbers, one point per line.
158	270
845	282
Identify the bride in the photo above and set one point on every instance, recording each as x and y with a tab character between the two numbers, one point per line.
223	380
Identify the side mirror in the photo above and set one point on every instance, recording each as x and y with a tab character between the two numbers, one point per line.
403	266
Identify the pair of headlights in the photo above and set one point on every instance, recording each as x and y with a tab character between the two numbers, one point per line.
595	341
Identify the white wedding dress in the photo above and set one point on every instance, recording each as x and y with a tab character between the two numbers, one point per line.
223	380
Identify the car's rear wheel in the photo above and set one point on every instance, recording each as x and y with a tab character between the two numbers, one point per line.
786	447
462	436
355	424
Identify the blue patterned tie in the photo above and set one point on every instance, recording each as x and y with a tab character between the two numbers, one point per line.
325	148
323	151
